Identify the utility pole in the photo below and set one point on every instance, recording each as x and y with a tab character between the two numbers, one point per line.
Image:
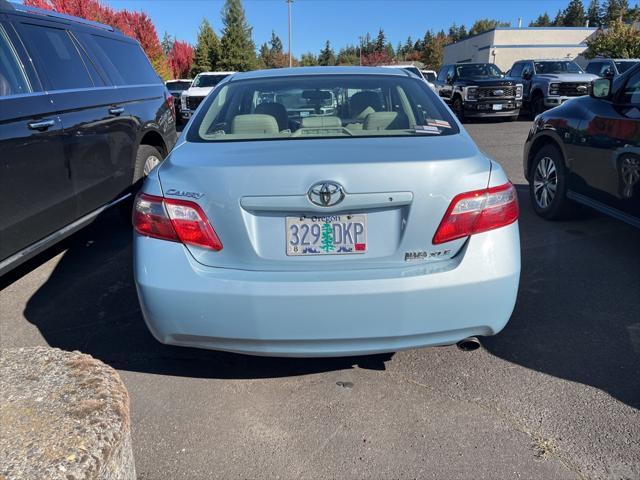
289	2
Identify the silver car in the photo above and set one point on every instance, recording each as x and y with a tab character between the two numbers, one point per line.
325	212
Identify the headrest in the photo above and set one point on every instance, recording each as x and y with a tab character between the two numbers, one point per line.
254	123
386	121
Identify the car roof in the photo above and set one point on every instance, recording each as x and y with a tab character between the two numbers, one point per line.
217	73
179	80
601	59
26	10
298	71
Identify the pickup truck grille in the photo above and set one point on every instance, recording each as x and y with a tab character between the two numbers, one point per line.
486	93
193	102
573	89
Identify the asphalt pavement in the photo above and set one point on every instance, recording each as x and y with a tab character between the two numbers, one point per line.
555	395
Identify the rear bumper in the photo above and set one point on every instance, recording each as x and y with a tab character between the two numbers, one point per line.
304	314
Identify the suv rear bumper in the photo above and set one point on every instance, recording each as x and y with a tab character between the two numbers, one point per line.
336	313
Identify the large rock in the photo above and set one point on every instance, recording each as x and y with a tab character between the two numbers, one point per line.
63	415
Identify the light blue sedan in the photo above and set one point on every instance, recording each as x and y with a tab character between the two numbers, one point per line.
325	212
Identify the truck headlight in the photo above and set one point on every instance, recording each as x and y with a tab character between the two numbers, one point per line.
554	89
519	90
471	93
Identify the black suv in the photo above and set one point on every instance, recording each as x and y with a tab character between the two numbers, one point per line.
479	90
588	151
83	116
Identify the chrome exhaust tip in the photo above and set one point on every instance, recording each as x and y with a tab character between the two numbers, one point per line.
469	344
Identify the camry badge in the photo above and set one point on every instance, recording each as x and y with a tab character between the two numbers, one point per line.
326	194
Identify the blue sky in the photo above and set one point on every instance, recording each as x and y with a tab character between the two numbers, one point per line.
340	21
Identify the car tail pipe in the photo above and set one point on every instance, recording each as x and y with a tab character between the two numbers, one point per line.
469	344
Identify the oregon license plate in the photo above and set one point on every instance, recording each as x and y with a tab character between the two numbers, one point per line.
327	235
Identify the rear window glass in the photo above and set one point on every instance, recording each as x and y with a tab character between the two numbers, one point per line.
321	106
209	80
178	85
13	79
126	60
624	66
56	57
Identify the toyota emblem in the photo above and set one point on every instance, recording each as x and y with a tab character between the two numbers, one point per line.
326	194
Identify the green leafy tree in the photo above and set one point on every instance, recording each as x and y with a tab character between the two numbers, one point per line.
486	24
238	50
348	55
327	57
433	53
620	40
574	15
207	52
308	60
326	243
594	13
542	21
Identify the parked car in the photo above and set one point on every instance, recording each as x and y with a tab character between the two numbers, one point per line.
83	116
411	69
587	151
176	87
199	89
549	83
300	233
429	75
479	90
610	67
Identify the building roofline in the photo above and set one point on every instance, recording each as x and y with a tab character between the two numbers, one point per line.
521	28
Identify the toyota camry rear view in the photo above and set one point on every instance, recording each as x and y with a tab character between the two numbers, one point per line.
325	212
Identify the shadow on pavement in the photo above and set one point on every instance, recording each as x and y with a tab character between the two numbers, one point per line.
578	310
89	303
577	316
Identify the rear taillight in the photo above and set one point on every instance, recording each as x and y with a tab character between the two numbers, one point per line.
174	220
478	211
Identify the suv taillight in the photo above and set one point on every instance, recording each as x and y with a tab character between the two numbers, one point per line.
478	211
174	220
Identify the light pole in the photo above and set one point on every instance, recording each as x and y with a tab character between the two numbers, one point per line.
289	2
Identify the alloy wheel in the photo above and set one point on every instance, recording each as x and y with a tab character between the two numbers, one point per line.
630	174
150	164
545	182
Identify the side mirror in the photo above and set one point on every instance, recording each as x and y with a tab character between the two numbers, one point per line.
601	88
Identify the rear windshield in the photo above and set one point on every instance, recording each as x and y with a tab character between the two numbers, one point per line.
557	67
178	85
321	106
208	80
624	66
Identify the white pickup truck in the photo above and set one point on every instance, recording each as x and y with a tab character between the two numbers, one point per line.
200	88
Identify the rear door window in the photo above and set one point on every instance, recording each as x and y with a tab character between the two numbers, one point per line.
56	57
125	61
13	79
631	92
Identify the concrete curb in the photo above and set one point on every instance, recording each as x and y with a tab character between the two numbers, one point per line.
64	416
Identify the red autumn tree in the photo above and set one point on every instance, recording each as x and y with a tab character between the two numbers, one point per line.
377	58
137	25
180	59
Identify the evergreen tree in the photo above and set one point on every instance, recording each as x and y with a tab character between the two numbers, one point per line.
327	57
559	20
542	21
615	10
308	60
381	41
264	57
167	43
238	52
594	14
399	52
388	48
620	40
207	51
574	15
486	24
408	46
275	43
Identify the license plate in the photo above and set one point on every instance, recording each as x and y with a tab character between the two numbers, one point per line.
326	235
497	106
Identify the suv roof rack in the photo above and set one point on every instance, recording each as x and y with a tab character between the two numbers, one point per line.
18	7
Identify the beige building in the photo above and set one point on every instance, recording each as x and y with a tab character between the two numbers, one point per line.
504	46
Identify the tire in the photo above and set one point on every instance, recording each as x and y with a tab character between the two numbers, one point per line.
537	104
458	108
146	158
548	185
